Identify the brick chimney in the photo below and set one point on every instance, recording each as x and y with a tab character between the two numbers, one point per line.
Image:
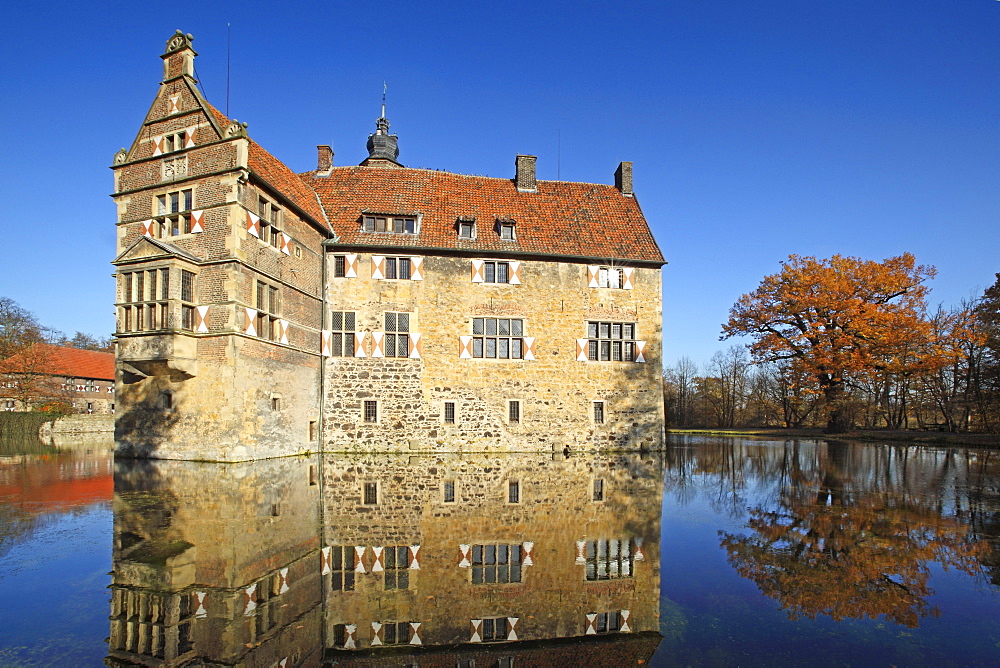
524	173
623	178
324	158
178	59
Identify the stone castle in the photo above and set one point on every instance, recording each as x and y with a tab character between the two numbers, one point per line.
370	308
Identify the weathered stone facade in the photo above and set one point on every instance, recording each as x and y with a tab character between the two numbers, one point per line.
263	313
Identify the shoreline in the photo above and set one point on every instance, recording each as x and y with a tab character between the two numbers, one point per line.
893	435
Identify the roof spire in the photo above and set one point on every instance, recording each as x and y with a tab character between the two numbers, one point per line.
381	144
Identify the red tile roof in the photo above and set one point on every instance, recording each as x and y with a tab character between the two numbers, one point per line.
561	218
277	174
63	361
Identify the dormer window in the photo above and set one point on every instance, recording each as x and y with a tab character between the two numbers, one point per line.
505	228
389	224
466	228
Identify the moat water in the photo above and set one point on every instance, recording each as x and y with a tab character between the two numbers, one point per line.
716	552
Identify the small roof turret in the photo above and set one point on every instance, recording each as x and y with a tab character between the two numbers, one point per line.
382	146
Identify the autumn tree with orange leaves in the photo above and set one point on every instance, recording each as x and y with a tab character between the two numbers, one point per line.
840	319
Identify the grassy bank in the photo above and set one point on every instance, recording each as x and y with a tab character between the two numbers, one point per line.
881	435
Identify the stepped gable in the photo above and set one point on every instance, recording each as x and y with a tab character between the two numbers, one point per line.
560	218
277	175
65	361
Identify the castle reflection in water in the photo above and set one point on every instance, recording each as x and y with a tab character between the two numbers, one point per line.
388	560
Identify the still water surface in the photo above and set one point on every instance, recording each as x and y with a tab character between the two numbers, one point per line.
716	552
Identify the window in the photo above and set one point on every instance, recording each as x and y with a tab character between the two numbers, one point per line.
496	564
598	412
466	228
514	412
145	304
449	412
371	493
270	222
342	338
396	633
174	141
598	490
610	559
494	629
608	622
275	403
397	267
397	338
371	410
187	298
268	310
342	568
448	491
389	224
513	492
505	228
496	272
339	266
609	277
611	341
498	338
397	565
173	213
339	635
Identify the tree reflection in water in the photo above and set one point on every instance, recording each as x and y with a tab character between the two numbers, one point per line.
833	548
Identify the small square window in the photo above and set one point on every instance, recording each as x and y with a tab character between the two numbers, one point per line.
371	493
449	412
371	411
466	229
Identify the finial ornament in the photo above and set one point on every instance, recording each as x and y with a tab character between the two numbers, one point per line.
179	41
121	156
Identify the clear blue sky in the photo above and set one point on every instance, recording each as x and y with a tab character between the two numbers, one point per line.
757	129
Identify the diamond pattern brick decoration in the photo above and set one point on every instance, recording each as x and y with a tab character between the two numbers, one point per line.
476	630
416	268
282	331
529	347
377	633
286	244
478	275
189	137
512	628
201	318
591	624
414	347
351	266
627	277
200	612
581	560
147	228
359	344
283	578
378	563
415	633
515	273
378	344
592	272
174	104
253	225
159	145
359	559
465	550
250	600
351	641
378	267
324	561
251	327
581	350
197	221
640	351
465	347
625	628
527	556
414	561
326	343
